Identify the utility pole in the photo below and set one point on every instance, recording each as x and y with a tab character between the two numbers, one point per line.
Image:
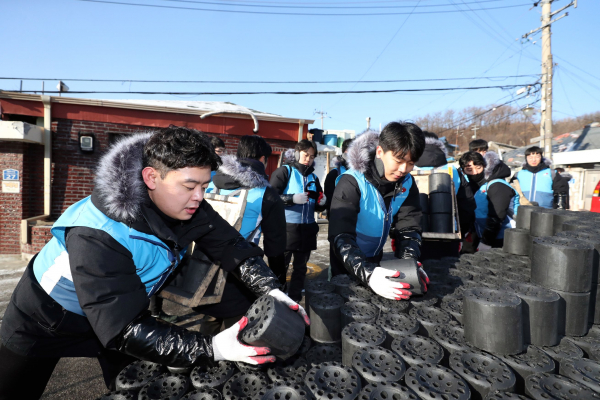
457	137
322	117
547	71
474	128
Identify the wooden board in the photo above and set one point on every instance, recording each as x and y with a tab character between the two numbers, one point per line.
422	180
199	281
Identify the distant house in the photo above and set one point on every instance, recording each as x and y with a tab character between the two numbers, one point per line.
50	146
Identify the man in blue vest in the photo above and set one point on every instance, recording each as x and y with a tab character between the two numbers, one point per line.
536	178
85	294
264	214
378	193
341	166
497	202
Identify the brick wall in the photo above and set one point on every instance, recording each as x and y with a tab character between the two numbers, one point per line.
73	174
40	235
11	209
73	170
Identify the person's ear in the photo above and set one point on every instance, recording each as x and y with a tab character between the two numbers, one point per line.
379	152
263	160
150	176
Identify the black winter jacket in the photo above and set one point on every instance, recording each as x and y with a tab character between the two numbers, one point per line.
108	288
406	229
248	173
300	237
434	154
330	181
498	195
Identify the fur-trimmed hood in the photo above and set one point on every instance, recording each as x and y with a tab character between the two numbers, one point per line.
362	150
495	168
437	143
289	156
434	155
240	172
119	182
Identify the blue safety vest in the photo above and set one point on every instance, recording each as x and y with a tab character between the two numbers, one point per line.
481	212
447	168
211	186
537	186
153	259
374	220
252	213
341	169
297	183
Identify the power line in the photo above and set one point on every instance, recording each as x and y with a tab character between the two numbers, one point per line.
271	82
466	120
288	13
321	2
316	6
379	55
283	92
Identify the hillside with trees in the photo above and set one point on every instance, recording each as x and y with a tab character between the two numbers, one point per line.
506	124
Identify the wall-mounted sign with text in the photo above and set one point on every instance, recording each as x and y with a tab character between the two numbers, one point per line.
10	175
11	187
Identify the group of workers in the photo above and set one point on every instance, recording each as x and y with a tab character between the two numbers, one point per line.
87	292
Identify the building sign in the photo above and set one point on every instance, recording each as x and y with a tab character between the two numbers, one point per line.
11	187
10	175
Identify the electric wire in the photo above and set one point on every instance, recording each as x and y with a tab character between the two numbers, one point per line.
376	58
288	13
278	92
318	6
270	82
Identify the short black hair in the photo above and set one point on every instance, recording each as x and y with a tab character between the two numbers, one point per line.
304	145
253	146
402	138
478	145
176	148
560	170
534	150
430	135
346	144
216	142
472	156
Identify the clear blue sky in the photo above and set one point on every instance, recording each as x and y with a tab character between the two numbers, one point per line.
74	39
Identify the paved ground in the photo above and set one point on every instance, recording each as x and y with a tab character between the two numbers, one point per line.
81	378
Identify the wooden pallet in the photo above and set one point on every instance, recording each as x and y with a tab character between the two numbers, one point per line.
422	180
198	281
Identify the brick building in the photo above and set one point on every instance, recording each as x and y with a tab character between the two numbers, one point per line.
44	174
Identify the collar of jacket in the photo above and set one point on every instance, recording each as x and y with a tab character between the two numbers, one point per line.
121	194
235	173
340	161
304	170
361	157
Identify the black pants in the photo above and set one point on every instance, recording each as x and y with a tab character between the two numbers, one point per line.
26	378
294	288
23	377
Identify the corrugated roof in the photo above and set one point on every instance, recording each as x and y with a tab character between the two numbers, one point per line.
587	138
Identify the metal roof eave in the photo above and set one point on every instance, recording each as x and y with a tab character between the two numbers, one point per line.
142	107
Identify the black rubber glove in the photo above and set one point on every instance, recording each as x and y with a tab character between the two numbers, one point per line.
492	228
354	260
408	244
288	199
147	338
257	276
